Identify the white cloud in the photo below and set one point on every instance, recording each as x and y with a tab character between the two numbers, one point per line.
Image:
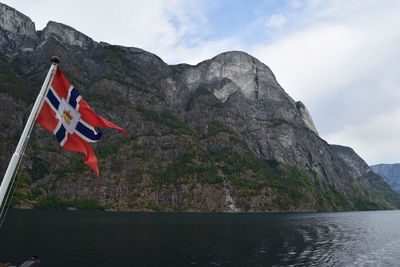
374	139
328	56
199	51
276	21
305	61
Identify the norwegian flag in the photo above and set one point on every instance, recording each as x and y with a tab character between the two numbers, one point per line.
72	121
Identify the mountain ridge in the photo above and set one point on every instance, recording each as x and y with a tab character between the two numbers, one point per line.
221	135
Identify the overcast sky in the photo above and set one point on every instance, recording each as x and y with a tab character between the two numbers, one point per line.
341	58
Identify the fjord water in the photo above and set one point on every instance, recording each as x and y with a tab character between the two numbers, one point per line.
89	238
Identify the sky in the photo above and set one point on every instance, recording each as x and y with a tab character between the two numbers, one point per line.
341	58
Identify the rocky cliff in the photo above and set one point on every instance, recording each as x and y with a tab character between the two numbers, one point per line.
359	169
389	172
222	135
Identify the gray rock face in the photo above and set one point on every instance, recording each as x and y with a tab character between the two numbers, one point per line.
15	22
219	136
17	31
358	167
67	35
305	115
389	172
364	174
232	72
257	108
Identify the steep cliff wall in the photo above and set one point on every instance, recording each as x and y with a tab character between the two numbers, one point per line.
219	136
359	169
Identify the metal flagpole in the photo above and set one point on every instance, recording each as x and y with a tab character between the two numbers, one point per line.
19	151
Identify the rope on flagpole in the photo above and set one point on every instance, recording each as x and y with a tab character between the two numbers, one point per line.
12	189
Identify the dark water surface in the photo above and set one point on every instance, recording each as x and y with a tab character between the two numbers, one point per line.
80	238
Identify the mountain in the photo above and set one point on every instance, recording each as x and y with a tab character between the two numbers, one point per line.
222	135
389	172
365	175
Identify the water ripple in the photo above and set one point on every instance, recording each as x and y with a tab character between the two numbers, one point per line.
125	239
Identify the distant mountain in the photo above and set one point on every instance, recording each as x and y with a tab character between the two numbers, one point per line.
389	172
222	135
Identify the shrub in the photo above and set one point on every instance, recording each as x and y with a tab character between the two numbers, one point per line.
53	202
88	204
56	203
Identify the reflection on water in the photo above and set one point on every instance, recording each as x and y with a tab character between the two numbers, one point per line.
78	238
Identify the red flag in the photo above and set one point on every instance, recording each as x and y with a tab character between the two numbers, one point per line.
72	121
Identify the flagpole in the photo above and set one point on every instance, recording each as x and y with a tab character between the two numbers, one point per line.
19	151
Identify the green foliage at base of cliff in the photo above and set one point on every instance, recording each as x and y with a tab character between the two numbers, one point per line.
22	194
291	187
380	190
55	202
248	176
